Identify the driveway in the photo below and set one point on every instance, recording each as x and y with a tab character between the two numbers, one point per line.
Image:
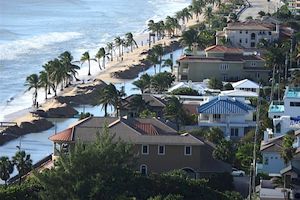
241	185
258	5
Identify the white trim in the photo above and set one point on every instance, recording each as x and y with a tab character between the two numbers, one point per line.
147	149
184	150
146	168
164	152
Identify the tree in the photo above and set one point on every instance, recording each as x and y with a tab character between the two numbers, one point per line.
118	43
86	57
57	74
288	151
214	135
233	17
158	50
224	151
188	38
130	40
214	83
32	82
261	13
168	63
162	81
197	7
138	104
110	49
44	82
228	86
171	25
185	91
143	83
6	168
23	163
69	69
208	14
107	177
174	110
101	54
153	59
244	155
147	114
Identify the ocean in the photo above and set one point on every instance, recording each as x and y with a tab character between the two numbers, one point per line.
33	32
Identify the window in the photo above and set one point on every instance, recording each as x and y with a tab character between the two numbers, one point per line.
270	33
217	116
266	161
278	128
241	32
253	64
257	75
295	104
246	41
225	77
234	132
240	40
187	150
252	36
246	32
161	150
224	67
145	149
252	44
143	169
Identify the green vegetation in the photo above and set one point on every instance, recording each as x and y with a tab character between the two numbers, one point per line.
214	83
185	91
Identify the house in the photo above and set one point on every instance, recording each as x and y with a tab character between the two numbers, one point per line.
246	85
200	87
159	147
294	6
153	103
248	34
232	116
223	63
285	114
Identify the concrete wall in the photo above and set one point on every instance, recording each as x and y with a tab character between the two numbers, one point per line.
275	162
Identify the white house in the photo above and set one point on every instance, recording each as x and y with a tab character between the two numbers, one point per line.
232	116
246	85
200	87
285	114
248	34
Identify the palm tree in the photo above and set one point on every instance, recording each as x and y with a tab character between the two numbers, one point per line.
118	43
197	7
152	28
101	54
153	59
48	69
180	16
130	41
70	69
208	15
174	110
171	25
86	57
169	63
186	13
189	37
110	49
44	82
287	151
143	83
6	168
158	50
57	75
138	104
32	82
295	78
23	163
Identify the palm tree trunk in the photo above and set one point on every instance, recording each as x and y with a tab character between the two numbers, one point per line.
89	68
99	64
103	62
105	110
154	68
46	97
273	82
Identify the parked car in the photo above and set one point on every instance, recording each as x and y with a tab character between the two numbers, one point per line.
237	172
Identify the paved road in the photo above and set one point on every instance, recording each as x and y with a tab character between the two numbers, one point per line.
258	5
241	185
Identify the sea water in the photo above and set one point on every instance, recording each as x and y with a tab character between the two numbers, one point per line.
33	32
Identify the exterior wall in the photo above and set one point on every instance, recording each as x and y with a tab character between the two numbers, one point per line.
292	111
198	71
244	37
174	158
274	164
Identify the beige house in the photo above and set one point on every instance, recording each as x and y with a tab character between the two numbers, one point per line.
223	63
248	34
158	146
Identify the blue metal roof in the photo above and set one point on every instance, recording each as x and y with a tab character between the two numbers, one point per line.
224	105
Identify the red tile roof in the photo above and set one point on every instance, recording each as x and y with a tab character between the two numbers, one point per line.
63	136
147	129
224	49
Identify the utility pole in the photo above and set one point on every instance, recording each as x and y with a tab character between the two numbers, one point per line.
254	146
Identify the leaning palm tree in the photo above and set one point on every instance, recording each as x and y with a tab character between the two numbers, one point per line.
6	168
32	82
130	41
86	57
186	13
110	49
101	54
23	163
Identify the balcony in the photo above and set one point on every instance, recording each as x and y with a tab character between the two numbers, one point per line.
223	123
276	107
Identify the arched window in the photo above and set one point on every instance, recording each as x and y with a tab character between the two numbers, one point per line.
143	169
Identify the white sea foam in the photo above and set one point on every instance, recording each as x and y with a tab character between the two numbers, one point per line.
12	50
